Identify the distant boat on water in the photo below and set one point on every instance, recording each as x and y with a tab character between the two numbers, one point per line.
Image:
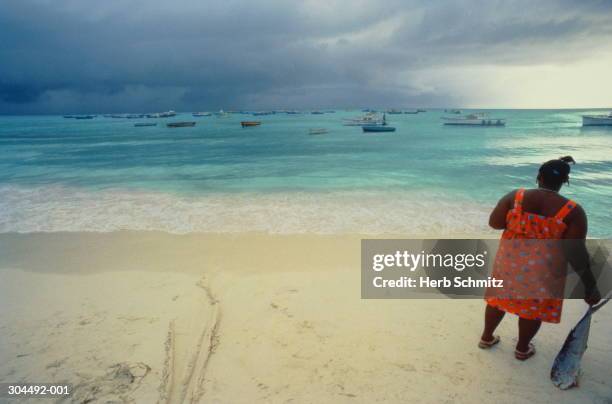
369	118
201	114
263	113
394	112
180	124
452	111
317	112
597	120
139	124
411	111
246	124
84	117
377	128
167	114
474	120
317	131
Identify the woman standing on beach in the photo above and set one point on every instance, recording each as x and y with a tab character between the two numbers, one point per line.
534	271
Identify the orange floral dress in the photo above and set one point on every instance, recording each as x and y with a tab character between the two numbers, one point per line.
531	264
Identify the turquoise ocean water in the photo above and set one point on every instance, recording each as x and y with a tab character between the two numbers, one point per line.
105	174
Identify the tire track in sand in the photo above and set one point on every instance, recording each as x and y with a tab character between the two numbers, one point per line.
190	342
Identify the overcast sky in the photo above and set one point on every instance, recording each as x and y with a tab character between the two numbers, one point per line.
62	56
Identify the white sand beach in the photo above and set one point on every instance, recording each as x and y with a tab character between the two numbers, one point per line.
148	317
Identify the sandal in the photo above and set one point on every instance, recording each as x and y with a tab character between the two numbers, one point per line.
525	355
489	344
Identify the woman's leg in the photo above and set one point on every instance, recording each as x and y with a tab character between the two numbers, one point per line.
493	316
527	330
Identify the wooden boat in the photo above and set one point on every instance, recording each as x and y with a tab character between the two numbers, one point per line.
145	124
180	124
378	128
246	124
317	131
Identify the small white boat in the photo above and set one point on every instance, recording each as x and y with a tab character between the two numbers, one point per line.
317	131
370	119
201	114
597	120
166	114
474	120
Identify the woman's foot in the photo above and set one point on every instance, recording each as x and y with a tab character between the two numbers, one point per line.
489	343
524	355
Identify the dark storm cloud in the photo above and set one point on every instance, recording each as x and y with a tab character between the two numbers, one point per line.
73	55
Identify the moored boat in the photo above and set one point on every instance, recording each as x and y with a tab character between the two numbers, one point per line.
167	114
139	124
474	120
202	114
84	117
317	131
597	120
180	124
369	118
246	124
377	128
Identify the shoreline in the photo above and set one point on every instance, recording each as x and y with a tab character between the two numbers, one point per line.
155	317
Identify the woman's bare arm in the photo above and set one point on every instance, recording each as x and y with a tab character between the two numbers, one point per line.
497	220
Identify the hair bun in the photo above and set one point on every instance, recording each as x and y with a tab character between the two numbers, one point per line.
568	159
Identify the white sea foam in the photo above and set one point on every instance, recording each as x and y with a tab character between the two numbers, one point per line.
52	209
